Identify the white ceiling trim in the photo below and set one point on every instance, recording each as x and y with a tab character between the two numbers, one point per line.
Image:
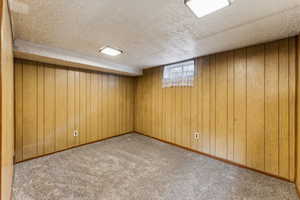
31	51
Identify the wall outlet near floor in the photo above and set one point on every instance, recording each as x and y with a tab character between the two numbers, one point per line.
76	133
196	135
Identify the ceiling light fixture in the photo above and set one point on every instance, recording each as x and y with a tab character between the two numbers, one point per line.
110	51
202	8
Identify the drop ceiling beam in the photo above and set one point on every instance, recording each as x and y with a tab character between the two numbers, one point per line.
31	51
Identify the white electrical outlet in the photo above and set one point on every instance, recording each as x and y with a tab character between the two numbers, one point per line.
76	133
196	136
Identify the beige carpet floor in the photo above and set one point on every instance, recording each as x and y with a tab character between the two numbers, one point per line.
135	167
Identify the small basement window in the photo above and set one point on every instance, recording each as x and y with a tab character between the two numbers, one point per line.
179	74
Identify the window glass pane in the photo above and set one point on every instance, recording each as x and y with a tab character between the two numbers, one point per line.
188	68
179	74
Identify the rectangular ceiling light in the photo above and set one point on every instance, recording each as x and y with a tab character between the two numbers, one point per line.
110	51
202	8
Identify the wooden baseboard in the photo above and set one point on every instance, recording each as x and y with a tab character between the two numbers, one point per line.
73	147
217	158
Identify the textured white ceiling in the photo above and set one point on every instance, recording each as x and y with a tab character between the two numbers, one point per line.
151	32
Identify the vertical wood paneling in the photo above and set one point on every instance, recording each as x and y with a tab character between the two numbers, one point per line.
292	106
160	104
61	112
127	117
206	106
146	89
194	108
132	86
94	107
172	115
242	104
186	129
271	103
49	140
200	103
240	109
52	102
77	106
105	107
131	99
154	91
137	108
123	106
155	114
117	105
108	103
178	115
142	104
283	108
145	101
30	110
89	131
297	112
40	108
7	128
168	111
19	110
230	117
82	108
212	106
100	107
111	109
163	134
118	111
70	108
255	107
149	98
221	105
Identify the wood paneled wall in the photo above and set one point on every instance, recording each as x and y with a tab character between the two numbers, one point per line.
7	106
242	104
298	121
52	102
